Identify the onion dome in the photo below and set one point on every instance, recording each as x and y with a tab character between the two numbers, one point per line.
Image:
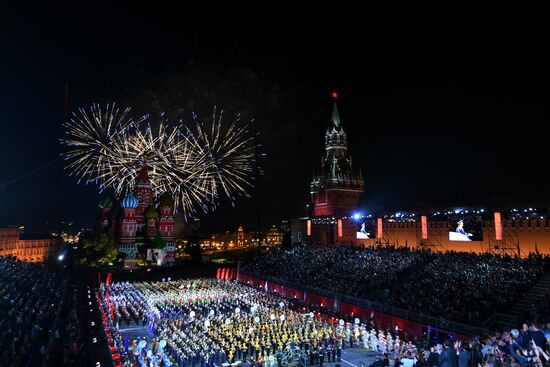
106	202
130	201
166	200
151	213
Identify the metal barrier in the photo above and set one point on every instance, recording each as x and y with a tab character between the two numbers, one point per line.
438	323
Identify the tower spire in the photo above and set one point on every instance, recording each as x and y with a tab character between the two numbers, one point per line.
143	173
335	116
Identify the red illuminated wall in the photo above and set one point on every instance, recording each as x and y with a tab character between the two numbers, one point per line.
335	202
424	225
531	235
498	227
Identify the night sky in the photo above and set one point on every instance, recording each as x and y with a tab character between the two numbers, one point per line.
442	106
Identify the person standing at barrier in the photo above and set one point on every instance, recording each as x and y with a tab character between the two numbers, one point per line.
464	355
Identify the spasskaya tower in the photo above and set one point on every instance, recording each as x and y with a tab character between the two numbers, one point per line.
337	190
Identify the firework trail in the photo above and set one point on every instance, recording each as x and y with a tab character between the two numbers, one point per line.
199	167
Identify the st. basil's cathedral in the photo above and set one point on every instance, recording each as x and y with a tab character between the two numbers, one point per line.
140	223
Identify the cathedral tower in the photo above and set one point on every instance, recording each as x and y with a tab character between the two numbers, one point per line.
144	195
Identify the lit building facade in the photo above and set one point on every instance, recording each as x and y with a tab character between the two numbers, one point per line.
274	236
229	239
24	248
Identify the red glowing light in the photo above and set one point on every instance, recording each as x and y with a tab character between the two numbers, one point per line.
379	228
498	227
334	95
424	223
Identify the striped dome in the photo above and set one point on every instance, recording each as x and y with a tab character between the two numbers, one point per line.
129	202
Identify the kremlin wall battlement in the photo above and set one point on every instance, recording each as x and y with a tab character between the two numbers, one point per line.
518	236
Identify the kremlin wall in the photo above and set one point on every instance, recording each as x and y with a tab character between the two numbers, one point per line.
523	236
336	194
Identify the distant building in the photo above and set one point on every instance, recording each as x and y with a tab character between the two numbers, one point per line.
27	247
230	239
274	236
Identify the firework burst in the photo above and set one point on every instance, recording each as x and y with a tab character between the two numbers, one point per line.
227	156
93	138
200	167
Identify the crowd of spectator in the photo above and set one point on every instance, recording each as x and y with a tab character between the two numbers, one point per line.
29	301
525	347
67	343
464	287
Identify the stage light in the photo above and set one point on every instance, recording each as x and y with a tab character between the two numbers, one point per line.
61	257
356	216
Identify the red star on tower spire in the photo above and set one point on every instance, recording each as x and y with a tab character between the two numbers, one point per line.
335	95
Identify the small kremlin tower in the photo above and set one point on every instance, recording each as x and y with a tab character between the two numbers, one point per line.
337	190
